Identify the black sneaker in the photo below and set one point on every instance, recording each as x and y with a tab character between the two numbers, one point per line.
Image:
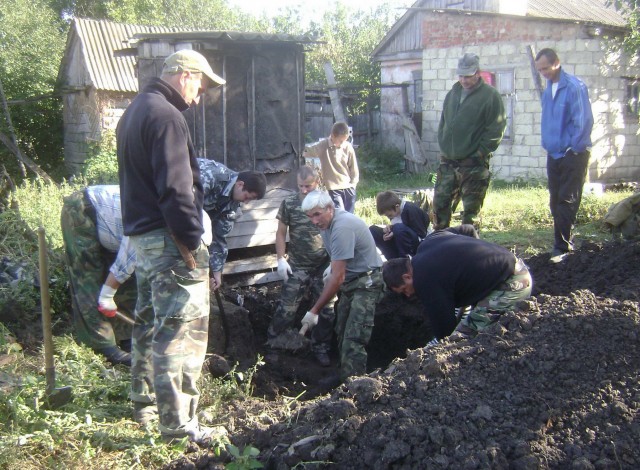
115	355
322	358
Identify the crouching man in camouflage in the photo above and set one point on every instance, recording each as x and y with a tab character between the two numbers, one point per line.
302	273
92	231
225	191
355	275
451	270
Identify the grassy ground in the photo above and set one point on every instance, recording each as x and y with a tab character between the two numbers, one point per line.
96	431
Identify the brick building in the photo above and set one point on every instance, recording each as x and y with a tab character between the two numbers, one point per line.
423	47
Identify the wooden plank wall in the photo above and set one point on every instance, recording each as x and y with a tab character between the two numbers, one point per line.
258	224
256	227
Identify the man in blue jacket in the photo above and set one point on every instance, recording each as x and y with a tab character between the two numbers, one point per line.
567	121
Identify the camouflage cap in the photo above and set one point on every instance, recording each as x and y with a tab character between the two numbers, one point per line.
188	60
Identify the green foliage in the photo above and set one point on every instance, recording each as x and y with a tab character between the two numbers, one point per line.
631	9
101	167
215	392
245	460
38	204
348	38
94	426
379	161
32	39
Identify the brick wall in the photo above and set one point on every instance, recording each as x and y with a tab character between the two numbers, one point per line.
502	44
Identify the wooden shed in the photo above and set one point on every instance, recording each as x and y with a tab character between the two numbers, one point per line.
256	120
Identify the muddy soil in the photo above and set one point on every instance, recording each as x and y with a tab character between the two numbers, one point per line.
552	385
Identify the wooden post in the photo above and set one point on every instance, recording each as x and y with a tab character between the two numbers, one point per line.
336	104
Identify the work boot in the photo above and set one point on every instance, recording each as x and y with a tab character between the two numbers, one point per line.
322	358
558	256
202	436
144	413
125	345
115	355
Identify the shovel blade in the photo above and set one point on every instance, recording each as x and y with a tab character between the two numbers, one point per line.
58	397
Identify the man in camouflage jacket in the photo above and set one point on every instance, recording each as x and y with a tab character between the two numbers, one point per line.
224	191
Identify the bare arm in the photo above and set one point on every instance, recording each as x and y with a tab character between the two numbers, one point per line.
281	239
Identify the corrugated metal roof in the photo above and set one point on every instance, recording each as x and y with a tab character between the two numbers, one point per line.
235	36
589	11
99	39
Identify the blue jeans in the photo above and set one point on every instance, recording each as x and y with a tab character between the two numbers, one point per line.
344	198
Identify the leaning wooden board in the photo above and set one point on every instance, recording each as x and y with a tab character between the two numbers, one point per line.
258	224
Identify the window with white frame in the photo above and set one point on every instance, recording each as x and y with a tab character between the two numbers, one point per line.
505	84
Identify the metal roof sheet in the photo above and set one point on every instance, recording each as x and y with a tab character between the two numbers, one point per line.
99	39
588	11
235	36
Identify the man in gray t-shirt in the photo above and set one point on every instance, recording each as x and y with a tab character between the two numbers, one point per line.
354	275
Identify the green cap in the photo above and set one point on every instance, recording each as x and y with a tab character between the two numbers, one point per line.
188	60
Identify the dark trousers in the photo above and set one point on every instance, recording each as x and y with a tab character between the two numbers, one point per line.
404	241
566	177
344	198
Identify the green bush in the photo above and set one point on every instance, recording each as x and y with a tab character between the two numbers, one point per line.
102	165
37	204
375	160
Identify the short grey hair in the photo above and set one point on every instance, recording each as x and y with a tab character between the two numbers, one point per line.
315	199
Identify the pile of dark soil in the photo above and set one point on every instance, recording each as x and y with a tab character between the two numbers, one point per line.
552	385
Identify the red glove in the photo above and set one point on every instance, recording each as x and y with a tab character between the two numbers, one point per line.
106	305
107	312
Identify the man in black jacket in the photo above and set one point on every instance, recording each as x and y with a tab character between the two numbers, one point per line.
451	270
162	201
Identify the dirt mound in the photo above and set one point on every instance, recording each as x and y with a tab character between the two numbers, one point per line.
553	385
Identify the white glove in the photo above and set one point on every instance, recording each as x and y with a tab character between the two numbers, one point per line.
106	304
310	319
326	274
284	270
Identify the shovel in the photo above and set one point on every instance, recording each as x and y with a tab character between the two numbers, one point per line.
54	397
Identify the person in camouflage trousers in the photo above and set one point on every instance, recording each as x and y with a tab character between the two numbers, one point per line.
354	276
224	191
92	233
162	203
301	270
472	125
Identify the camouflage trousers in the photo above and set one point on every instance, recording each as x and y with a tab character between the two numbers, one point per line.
502	299
299	287
88	263
466	181
171	330
354	321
